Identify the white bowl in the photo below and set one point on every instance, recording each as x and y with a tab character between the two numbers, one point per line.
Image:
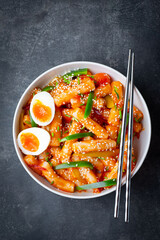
141	146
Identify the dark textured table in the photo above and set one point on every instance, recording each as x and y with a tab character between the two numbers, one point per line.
37	35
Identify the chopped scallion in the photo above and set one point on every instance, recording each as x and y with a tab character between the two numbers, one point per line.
91	76
120	129
74	164
138	120
27	122
48	88
67	81
68	115
107	168
115	90
32	121
49	162
66	131
106	183
75	119
78	78
52	134
101	158
89	105
120	114
76	135
75	73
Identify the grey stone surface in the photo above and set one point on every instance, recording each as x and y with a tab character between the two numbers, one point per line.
37	35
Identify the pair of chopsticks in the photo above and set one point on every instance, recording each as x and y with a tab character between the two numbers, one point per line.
129	81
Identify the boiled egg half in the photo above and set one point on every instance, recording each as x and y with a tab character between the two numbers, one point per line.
33	141
42	108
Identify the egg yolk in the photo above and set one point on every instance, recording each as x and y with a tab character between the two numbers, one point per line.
29	141
42	112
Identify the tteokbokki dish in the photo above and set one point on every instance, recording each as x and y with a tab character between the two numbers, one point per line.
70	131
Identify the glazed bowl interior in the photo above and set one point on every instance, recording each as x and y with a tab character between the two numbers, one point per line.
141	145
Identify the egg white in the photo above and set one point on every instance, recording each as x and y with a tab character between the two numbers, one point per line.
43	137
48	101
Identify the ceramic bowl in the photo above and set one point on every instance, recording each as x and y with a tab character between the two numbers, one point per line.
141	145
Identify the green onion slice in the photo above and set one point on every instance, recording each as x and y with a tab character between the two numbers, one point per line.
91	76
52	134
77	135
74	164
116	89
138	120
32	121
89	105
120	114
75	119
68	115
66	131
119	134
75	73
78	80
48	88
67	81
106	183
127	119
27	122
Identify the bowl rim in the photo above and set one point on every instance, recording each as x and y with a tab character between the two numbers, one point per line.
103	193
